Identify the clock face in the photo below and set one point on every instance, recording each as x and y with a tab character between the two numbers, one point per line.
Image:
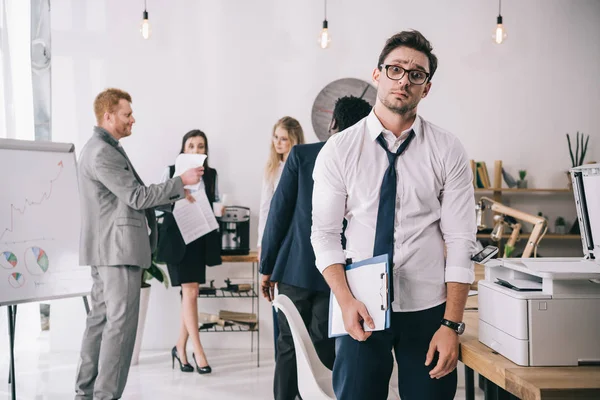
322	110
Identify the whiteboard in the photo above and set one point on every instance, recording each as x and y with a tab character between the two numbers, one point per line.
39	223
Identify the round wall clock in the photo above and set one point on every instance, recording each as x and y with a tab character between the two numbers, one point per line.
322	110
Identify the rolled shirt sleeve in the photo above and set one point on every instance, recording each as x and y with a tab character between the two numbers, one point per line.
457	221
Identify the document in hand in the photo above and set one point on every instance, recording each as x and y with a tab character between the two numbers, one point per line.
194	219
183	162
368	281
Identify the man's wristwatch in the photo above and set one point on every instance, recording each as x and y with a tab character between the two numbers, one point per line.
458	327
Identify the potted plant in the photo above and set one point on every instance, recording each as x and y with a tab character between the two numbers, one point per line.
560	226
154	272
522	183
579	156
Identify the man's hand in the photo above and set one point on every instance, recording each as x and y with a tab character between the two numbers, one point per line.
267	287
188	196
445	342
354	314
192	176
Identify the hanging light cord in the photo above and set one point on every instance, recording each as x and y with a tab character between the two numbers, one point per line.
145	8
325	4
499	7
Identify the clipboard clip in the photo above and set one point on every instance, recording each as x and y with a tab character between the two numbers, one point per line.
383	292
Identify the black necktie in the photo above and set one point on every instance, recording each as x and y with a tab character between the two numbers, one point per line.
386	213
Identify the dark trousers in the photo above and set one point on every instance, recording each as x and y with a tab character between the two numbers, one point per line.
314	309
362	370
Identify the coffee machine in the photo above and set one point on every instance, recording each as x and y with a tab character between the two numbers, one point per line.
234	225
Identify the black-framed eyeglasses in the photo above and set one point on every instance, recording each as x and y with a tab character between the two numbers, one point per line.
415	76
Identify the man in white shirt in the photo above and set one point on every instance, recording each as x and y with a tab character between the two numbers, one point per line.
405	187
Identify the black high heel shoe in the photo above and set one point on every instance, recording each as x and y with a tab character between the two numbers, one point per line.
183	367
201	370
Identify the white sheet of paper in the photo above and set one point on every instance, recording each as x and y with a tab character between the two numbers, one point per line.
194	219
183	162
366	285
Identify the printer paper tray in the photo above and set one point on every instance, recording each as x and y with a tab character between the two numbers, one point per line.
512	348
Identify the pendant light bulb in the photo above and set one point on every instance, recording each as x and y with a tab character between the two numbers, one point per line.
500	33
145	28
324	36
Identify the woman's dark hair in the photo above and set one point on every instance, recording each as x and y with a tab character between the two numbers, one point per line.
195	133
413	40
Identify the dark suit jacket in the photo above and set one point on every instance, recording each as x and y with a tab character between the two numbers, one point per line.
287	254
171	247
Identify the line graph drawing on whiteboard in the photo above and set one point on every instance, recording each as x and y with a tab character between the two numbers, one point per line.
42	239
45	196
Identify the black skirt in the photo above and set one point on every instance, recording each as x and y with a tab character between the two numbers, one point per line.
192	268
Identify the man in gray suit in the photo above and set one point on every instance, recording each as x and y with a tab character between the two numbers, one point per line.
118	235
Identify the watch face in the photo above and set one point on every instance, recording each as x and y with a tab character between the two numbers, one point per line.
461	328
322	110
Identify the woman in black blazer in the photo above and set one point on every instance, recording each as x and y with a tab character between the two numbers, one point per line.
187	263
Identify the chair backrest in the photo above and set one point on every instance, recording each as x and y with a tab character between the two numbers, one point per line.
314	379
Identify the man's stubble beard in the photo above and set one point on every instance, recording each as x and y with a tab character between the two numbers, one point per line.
400	110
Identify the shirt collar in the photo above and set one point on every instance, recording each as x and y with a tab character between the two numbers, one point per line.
107	137
375	128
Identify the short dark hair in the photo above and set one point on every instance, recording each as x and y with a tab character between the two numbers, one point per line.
413	40
195	133
349	110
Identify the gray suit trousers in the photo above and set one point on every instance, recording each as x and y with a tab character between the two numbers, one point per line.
110	332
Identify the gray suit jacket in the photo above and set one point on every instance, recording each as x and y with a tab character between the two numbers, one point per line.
115	205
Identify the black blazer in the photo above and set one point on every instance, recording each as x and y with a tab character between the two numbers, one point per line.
171	247
286	252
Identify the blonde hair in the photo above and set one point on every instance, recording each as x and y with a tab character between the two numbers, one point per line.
295	135
107	101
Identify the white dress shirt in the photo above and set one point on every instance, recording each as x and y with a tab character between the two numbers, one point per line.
268	190
434	205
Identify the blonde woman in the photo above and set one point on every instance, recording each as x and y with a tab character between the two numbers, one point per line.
287	133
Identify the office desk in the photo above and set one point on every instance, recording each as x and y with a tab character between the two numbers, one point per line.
507	380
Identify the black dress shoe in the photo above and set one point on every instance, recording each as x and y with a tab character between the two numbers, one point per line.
201	370
183	367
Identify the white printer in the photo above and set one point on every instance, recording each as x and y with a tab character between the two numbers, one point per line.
546	311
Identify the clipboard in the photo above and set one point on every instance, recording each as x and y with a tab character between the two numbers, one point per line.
369	281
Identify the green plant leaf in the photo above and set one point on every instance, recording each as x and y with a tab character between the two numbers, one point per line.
155	272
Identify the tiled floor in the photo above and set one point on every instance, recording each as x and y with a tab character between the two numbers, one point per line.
42	375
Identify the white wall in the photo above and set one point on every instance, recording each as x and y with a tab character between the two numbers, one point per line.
232	68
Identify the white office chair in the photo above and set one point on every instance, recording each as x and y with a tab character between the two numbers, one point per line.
314	379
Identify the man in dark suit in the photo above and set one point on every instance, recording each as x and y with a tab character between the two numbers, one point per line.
287	256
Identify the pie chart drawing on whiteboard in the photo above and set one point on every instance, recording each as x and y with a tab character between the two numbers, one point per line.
16	280
8	260
36	261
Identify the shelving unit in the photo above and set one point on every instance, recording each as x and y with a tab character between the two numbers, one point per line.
553	236
515	190
252	294
498	193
